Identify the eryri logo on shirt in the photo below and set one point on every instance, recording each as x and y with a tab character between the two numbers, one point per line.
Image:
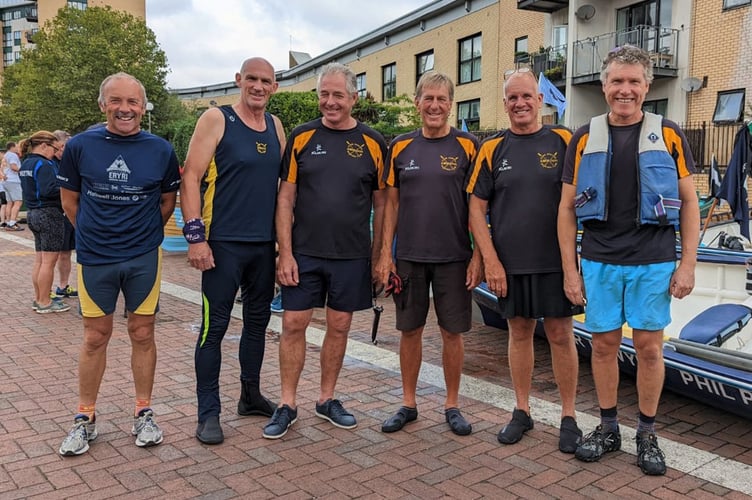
261	148
318	151
118	171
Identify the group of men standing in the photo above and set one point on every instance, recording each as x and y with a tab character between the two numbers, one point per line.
245	187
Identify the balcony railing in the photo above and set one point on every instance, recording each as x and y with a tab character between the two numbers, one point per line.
661	43
551	61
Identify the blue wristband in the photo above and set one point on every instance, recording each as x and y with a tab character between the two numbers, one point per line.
194	231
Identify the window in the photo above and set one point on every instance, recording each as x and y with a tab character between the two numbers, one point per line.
729	107
7	58
80	5
16	38
520	50
470	112
423	63
470	50
360	83
18	56
389	81
730	4
659	107
559	41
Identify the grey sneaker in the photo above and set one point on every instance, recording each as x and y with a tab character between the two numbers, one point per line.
333	411
594	445
77	440
145	429
54	307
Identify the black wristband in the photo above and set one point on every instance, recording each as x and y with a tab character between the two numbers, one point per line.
194	231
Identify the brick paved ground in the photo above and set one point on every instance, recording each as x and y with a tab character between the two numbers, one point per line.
38	365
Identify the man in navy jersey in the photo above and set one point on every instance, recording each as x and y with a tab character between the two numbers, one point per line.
426	171
330	182
236	153
118	188
516	181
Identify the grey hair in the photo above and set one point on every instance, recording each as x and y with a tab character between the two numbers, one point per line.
434	79
117	76
335	69
628	54
61	135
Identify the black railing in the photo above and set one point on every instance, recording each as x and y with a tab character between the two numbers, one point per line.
551	61
707	139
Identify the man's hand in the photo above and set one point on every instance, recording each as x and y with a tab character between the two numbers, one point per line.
496	277
287	270
200	256
574	289
682	282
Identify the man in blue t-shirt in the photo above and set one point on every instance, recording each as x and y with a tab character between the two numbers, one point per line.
118	188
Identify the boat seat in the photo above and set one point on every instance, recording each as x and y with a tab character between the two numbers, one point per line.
716	324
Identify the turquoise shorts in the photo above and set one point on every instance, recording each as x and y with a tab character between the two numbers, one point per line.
637	295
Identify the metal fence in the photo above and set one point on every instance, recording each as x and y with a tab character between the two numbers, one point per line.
707	139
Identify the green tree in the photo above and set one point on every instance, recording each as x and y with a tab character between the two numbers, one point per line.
393	117
294	108
56	83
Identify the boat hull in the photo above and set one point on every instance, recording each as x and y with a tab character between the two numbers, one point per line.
726	388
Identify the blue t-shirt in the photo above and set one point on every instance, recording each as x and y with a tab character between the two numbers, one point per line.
39	183
120	180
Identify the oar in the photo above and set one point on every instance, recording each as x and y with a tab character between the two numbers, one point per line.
707	219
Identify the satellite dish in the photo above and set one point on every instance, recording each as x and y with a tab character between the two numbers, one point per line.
691	84
585	12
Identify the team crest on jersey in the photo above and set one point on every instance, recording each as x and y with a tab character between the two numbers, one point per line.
261	148
118	171
355	150
548	160
318	151
449	162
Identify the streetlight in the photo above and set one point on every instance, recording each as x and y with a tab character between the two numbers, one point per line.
149	108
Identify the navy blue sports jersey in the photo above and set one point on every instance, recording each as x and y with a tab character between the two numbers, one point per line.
430	174
38	182
520	177
240	186
120	180
336	172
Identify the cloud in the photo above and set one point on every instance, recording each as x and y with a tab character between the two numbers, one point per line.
206	41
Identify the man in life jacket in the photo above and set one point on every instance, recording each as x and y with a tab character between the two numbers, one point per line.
628	180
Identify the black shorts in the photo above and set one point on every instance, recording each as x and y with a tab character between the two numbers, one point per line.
341	284
452	300
537	296
48	226
69	236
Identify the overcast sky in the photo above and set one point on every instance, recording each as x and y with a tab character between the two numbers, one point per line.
207	40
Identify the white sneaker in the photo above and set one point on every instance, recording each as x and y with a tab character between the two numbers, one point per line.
77	440
145	429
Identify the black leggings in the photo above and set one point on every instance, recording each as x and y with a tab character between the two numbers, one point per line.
249	266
